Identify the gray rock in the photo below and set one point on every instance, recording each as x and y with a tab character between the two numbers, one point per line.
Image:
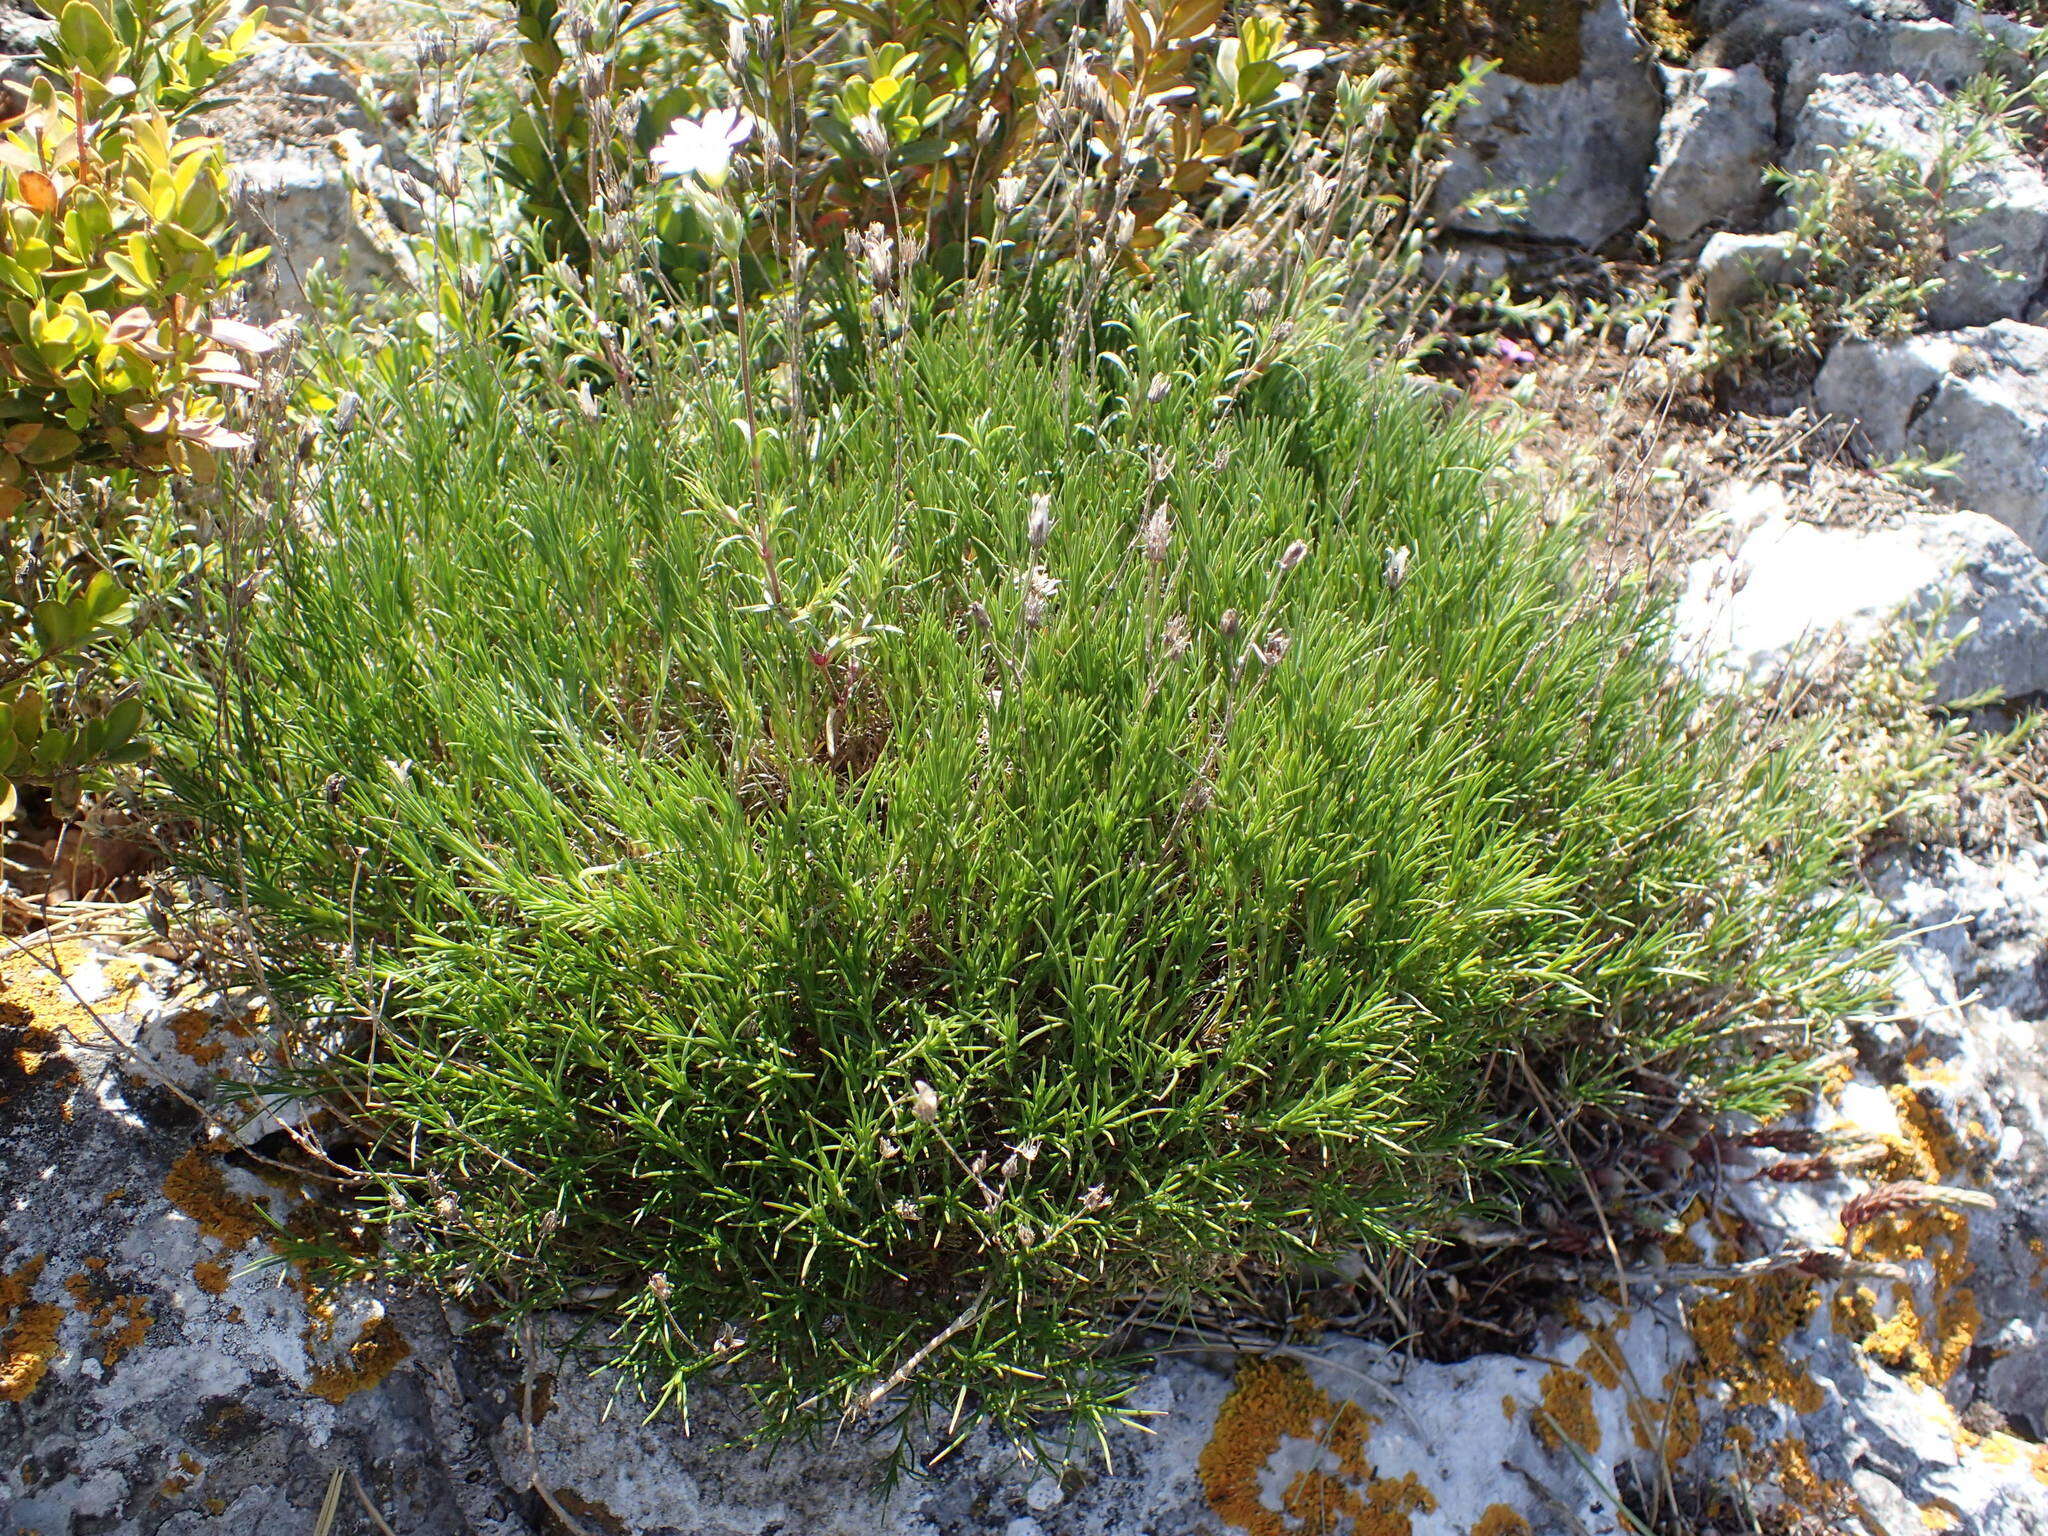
1795	598
302	204
1997	246
1979	395
1575	155
1943	54
316	176
1718	135
1734	269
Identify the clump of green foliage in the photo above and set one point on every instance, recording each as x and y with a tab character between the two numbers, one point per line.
908	117
1054	835
116	247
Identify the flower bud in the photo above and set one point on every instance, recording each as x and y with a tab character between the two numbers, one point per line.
1230	623
1292	556
1396	570
1039	529
924	1102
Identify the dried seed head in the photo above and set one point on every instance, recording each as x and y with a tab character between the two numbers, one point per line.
986	126
1258	301
1292	556
873	137
979	616
1229	624
1125	228
1274	651
906	1209
1012	1166
739	43
446	1208
1096	1199
1221	461
550	1224
1316	194
1026	1234
1156	535
658	1284
1178	636
1158	389
1161	461
924	1102
877	254
1009	192
1040	588
886	1148
1038	529
1396	569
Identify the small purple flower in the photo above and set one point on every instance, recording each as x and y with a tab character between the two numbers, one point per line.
1514	352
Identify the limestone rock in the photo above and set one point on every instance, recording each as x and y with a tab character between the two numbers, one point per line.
316	175
1998	251
1942	54
1796	597
1718	135
1576	155
1733	269
1979	395
155	1382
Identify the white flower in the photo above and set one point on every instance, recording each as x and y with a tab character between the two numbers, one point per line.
702	147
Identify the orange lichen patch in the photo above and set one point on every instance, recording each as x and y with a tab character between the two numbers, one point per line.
1807	1490
1567	1410
1500	1520
197	1187
35	979
1323	1505
1273	1400
1928	1148
376	1353
30	1341
1508	1406
1939	1517
1928	1342
1670	1429
190	1030
1741	1331
118	1323
1602	1358
210	1277
135	1326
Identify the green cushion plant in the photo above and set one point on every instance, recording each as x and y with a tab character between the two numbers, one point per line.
888	903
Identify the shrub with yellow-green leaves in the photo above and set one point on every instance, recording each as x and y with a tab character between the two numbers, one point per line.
116	249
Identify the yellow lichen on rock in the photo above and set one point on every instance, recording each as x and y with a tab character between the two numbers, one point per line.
1273	1400
1809	1492
378	1351
1500	1520
1567	1410
197	1187
37	978
28	1332
1741	1331
1669	1429
210	1277
1929	1342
